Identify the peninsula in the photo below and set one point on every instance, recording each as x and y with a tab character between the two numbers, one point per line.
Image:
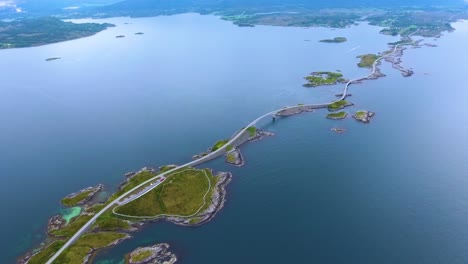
46	30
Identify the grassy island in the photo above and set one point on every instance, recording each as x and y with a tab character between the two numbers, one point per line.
219	144
367	60
360	114
41	31
323	78
141	255
339	105
334	40
183	193
338	115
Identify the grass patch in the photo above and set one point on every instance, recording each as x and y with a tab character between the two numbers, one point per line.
231	158
166	168
229	148
338	115
132	183
44	255
111	224
323	78
338	105
84	245
252	131
70	229
181	194
219	144
141	255
72	201
367	60
360	114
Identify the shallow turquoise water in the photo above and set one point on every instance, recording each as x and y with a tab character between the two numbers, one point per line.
70	213
393	191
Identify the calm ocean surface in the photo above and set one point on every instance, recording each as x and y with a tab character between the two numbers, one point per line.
393	191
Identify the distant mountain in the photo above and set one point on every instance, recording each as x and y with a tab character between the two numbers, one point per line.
171	4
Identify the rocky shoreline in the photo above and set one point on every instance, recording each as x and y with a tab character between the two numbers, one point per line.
91	192
156	254
218	198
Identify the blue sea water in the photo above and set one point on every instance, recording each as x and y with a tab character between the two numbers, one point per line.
393	191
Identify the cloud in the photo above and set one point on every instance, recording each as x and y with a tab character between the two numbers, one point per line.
9	4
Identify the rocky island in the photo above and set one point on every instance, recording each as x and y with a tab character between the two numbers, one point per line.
367	60
363	116
324	78
337	115
156	254
53	58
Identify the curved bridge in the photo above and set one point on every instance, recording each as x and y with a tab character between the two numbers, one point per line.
211	155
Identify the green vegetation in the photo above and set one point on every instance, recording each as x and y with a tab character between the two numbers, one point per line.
72	201
166	168
323	78
40	31
338	105
338	115
181	194
47	253
141	255
308	18
231	158
229	148
132	183
111	223
219	144
360	114
335	40
70	229
87	244
252	131
367	60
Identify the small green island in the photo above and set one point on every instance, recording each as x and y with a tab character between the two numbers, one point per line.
53	58
316	79
363	116
337	115
334	40
367	60
338	105
156	254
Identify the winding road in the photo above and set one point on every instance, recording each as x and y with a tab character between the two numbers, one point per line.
210	156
